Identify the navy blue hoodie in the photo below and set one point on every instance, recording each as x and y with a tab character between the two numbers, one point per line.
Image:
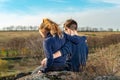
51	44
77	53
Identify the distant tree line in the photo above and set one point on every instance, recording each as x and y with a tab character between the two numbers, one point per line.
20	28
90	29
35	28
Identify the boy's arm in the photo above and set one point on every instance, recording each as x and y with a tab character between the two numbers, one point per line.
57	54
72	38
66	49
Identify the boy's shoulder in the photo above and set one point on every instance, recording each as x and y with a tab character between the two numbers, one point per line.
82	37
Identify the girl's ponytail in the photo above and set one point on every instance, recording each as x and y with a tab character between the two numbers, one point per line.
52	27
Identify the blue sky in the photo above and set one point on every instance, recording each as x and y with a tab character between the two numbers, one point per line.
95	13
30	6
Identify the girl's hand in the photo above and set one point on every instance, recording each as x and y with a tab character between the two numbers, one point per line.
39	72
43	62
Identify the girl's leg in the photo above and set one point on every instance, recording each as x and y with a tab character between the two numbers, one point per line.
36	70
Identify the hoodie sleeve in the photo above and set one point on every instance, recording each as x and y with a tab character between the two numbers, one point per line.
66	49
48	51
74	38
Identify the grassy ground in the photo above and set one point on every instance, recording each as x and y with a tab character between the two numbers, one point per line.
101	55
5	36
20	66
105	61
99	34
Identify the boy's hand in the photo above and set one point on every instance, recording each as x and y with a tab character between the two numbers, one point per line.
57	54
73	32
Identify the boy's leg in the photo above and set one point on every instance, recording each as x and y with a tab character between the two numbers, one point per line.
68	66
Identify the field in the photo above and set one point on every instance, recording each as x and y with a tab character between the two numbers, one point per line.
103	58
5	36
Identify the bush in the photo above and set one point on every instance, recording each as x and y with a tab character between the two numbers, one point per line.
30	46
104	61
15	46
3	65
105	41
34	44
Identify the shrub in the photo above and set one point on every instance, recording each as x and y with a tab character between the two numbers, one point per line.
15	45
104	62
105	41
30	46
3	65
34	44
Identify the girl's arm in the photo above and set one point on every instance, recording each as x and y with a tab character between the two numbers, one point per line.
48	51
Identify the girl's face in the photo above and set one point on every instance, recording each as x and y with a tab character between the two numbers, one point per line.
43	33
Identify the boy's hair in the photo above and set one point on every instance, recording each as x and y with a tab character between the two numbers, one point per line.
71	24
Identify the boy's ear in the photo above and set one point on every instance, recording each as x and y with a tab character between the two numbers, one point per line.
73	27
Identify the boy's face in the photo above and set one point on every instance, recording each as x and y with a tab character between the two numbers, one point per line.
71	29
67	30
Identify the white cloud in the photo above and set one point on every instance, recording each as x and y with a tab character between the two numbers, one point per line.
108	1
101	18
104	18
112	1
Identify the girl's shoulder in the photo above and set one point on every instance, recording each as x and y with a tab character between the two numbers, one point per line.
48	39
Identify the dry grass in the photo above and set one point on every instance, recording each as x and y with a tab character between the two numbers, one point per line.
8	68
99	34
5	36
3	65
105	62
